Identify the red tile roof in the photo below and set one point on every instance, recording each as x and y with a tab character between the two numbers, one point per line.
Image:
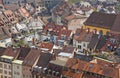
53	27
47	45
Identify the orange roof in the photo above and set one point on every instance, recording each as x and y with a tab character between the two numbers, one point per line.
71	62
83	35
81	65
47	45
72	74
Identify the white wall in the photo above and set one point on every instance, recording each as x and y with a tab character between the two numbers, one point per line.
6	67
17	71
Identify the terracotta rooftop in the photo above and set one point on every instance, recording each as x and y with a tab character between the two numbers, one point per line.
64	34
72	74
47	45
71	62
83	35
53	28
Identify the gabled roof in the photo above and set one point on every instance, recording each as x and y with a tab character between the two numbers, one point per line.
102	20
23	52
116	26
2	50
101	42
71	62
10	52
103	70
83	35
44	59
68	49
29	59
46	45
94	41
65	33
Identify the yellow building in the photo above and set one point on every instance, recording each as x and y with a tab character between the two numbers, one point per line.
100	23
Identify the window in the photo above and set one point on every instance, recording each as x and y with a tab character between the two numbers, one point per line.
79	46
5	72
0	65
14	72
5	66
9	66
17	67
18	73
9	73
84	44
5	76
1	71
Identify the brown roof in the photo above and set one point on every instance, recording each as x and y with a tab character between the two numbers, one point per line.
103	70
81	65
2	50
103	20
10	52
54	28
44	59
23	52
66	33
72	74
83	35
68	49
29	59
71	62
47	45
94	41
116	26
